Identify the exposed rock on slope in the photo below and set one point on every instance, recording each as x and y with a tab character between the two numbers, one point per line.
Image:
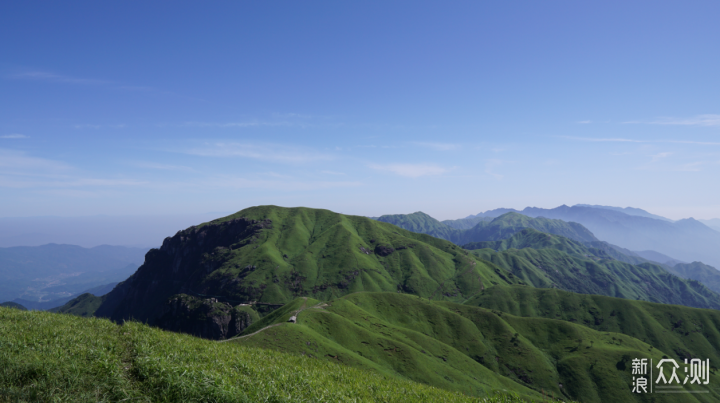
206	318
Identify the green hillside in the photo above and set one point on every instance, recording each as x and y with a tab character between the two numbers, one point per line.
83	305
531	238
465	223
46	357
588	273
271	255
699	271
421	223
496	229
13	305
463	348
679	332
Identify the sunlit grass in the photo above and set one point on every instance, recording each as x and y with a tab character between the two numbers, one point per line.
61	358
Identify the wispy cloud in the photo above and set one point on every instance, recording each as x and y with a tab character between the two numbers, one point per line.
248	123
438	146
585	122
603	140
623	140
162	167
91	126
19	161
699	120
490	166
263	152
659	156
233	182
411	170
14	136
65	79
57	78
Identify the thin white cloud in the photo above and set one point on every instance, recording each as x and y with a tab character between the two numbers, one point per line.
45	76
162	167
438	146
283	185
699	120
490	166
603	140
14	136
585	122
411	170
660	156
250	123
19	161
263	152
91	126
622	140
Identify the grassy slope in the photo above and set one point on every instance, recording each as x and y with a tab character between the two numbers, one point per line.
465	223
558	262
676	330
51	357
496	229
421	223
699	271
83	305
325	249
15	305
510	223
465	348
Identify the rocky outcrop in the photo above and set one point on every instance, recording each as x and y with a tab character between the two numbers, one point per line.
207	318
383	250
179	267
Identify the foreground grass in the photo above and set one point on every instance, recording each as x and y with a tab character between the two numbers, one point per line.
58	358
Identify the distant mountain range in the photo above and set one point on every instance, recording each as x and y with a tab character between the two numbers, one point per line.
54	273
487	229
685	240
495	232
712	223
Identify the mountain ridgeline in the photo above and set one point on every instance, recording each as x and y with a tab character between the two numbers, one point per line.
268	255
496	229
687	239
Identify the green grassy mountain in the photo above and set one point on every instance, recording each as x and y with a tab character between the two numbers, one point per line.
46	357
467	348
422	223
699	271
465	223
679	332
551	261
13	305
270	255
494	229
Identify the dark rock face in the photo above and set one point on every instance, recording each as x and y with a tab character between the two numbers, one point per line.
207	318
181	263
382	250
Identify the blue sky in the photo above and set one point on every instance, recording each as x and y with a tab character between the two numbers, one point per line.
151	108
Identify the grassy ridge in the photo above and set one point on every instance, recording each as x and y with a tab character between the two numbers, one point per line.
678	331
466	348
557	262
51	357
496	229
